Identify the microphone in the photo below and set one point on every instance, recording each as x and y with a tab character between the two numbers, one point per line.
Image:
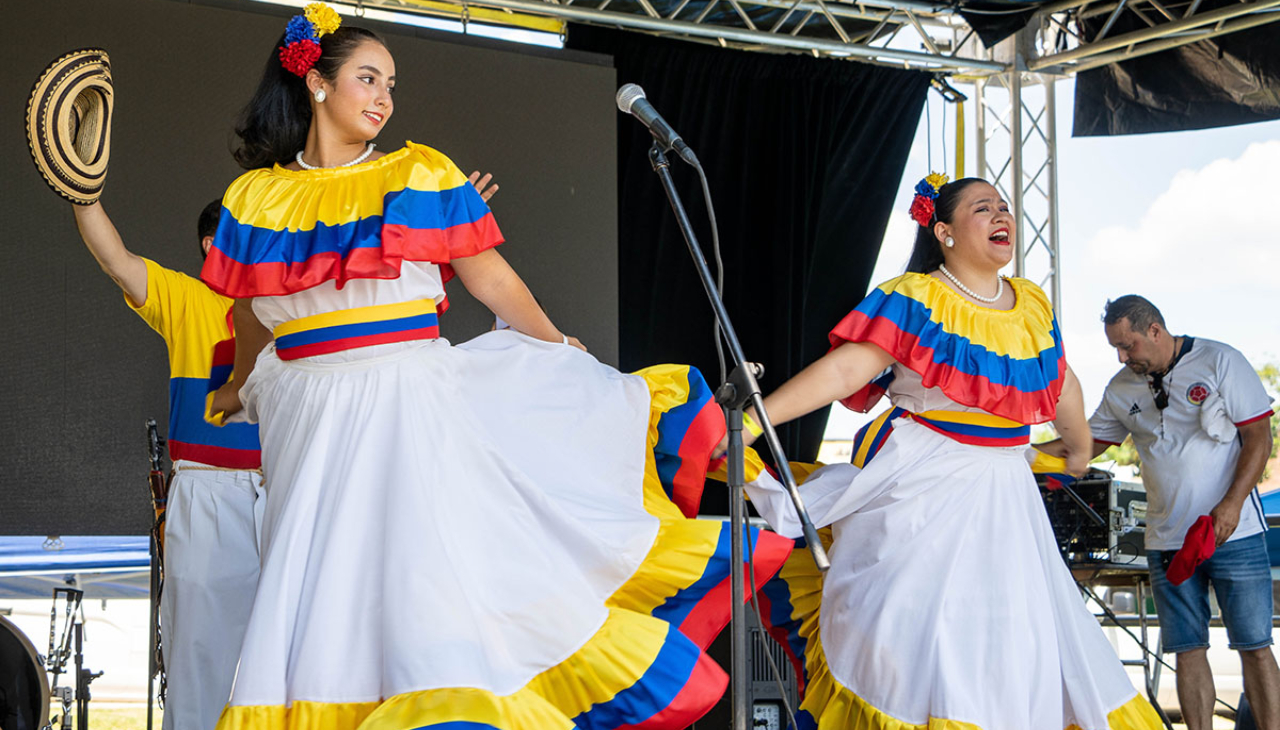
631	100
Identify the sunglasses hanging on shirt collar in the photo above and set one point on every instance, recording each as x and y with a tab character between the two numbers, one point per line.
1158	391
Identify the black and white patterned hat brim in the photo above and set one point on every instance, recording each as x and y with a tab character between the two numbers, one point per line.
69	124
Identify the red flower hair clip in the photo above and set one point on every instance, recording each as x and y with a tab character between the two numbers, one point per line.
298	57
922	207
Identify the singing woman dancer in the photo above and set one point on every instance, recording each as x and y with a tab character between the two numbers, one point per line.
481	536
947	605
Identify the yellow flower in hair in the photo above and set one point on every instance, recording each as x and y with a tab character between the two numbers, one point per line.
324	18
937	180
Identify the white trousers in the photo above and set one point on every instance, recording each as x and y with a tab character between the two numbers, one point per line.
211	572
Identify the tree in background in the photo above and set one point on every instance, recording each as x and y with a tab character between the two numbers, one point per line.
1123	454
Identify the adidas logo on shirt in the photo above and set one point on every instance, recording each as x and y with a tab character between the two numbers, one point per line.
1134	410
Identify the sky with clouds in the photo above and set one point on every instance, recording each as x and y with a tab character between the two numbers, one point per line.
1190	220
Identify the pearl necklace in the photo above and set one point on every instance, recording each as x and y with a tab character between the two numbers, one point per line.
967	290
363	156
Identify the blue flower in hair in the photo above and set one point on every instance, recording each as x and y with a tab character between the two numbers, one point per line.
925	188
299	29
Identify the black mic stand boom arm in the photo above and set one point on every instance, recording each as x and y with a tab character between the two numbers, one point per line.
740	388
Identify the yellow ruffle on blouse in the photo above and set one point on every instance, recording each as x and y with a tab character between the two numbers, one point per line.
1008	363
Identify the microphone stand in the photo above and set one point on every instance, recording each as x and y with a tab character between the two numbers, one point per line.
733	395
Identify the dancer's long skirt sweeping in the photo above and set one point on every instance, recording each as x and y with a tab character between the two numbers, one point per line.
483	536
947	605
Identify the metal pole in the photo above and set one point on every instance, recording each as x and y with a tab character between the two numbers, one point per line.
1015	157
1051	143
1142	623
738	629
151	637
82	686
980	126
1155	672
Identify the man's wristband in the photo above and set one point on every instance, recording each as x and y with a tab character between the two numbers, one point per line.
750	424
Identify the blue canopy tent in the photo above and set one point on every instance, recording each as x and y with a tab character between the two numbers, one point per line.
1271	508
101	566
1271	503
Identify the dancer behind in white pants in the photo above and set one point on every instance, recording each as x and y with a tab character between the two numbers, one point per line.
211	527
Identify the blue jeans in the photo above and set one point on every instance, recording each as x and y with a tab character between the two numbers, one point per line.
1240	571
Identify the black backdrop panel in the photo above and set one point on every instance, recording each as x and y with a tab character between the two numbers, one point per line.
80	373
804	157
1231	79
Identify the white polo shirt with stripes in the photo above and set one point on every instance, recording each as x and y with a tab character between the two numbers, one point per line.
1189	450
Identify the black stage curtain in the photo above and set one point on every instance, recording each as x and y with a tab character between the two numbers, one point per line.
1231	79
995	20
804	157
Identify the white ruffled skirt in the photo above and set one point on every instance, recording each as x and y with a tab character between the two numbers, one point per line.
947	605
476	534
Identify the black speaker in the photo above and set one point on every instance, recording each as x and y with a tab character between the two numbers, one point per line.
764	696
1097	520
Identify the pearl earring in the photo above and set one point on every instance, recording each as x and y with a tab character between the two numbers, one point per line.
951	242
320	96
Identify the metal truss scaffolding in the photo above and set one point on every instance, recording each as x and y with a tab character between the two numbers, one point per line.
1013	82
1167	25
1017	152
928	34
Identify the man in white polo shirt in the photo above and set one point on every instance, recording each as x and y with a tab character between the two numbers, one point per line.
1199	416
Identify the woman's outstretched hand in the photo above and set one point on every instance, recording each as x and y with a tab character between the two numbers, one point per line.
1077	460
483	185
723	446
1078	463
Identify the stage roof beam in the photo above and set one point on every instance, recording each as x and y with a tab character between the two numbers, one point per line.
1162	36
1199	34
782	41
913	33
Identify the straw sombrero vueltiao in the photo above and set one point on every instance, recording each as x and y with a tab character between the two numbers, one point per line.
69	124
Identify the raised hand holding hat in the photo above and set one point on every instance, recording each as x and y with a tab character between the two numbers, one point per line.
69	124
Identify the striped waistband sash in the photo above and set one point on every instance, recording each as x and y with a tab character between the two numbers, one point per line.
967	427
347	329
867	443
976	429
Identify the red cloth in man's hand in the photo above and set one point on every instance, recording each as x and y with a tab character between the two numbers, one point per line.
1196	548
